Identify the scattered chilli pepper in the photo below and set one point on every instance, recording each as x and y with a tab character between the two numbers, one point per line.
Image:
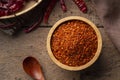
81	5
7	26
49	10
33	26
63	6
8	7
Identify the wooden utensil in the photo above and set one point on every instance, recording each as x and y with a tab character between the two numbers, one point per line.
32	67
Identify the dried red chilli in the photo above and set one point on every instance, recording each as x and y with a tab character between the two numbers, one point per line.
63	6
81	5
8	7
49	10
7	26
33	26
11	6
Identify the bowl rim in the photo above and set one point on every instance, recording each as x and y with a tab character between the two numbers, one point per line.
70	67
21	12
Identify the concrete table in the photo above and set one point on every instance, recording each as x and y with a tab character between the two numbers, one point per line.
14	49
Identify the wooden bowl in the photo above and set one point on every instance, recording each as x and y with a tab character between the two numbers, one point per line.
28	6
64	66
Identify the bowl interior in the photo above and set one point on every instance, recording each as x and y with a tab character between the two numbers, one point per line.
66	66
28	6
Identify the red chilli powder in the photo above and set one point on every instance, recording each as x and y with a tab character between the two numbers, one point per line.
74	43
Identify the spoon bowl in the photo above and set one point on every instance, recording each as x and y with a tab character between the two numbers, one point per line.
32	67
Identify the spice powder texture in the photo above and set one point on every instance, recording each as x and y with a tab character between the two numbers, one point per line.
74	43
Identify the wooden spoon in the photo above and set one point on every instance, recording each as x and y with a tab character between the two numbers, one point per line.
33	68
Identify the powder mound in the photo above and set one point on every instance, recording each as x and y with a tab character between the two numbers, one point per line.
74	43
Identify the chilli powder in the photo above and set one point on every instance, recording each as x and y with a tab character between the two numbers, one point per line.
74	43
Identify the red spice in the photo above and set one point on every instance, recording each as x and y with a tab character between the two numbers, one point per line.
74	43
49	10
8	7
63	5
81	5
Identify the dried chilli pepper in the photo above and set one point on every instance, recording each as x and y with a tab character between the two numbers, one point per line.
49	10
81	5
7	26
63	6
8	7
34	25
